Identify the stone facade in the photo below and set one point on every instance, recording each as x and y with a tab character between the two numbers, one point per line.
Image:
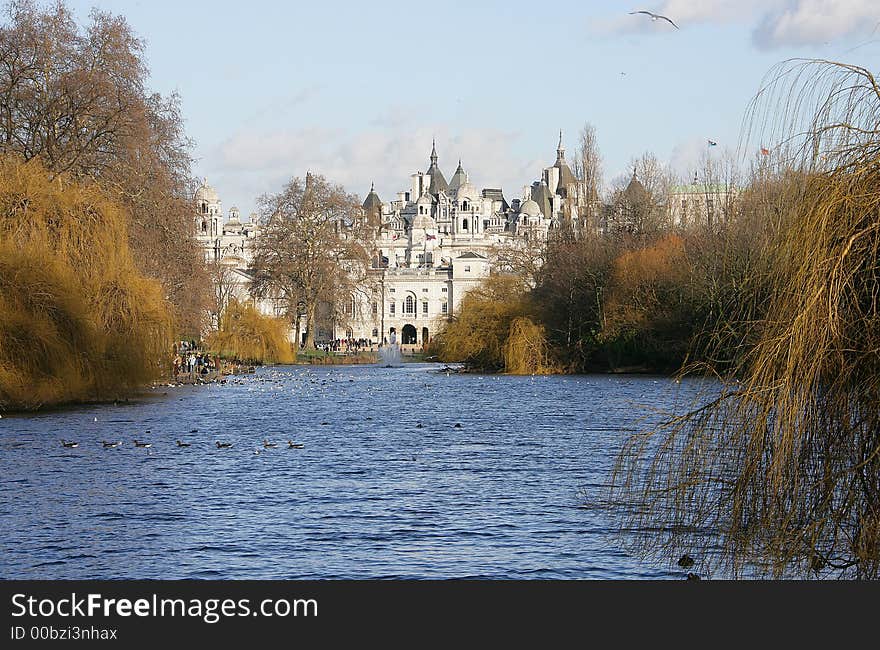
436	241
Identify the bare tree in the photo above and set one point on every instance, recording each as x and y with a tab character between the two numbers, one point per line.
638	202
76	98
588	169
224	284
311	249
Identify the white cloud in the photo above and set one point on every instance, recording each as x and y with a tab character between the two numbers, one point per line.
253	162
813	22
775	23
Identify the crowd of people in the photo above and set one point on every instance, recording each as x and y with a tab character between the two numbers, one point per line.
189	359
351	346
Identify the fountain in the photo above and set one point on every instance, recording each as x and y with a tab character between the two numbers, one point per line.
390	354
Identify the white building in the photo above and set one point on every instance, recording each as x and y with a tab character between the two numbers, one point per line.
436	241
701	204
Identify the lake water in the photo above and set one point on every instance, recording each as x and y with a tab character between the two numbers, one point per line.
511	493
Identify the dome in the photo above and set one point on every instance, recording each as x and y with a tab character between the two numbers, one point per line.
530	208
233	217
635	192
372	203
438	181
459	178
425	199
207	193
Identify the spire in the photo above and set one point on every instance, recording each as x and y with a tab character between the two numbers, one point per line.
560	150
372	186
433	152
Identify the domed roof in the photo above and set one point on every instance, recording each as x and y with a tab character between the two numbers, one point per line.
438	182
541	195
207	193
458	179
530	208
566	176
372	203
635	192
233	217
426	199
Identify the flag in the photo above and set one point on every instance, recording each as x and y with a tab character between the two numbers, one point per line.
430	237
765	152
712	144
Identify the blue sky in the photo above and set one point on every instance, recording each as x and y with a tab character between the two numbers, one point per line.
356	91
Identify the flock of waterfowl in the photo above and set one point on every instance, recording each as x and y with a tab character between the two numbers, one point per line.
72	444
108	444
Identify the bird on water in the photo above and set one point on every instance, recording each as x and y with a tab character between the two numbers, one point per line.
223	445
294	445
111	445
685	561
142	444
269	445
70	444
182	444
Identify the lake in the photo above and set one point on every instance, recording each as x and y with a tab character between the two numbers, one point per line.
514	492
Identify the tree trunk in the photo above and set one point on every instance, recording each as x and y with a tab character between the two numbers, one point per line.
296	336
310	326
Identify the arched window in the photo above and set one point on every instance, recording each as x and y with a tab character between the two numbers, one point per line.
409	305
464	224
464	205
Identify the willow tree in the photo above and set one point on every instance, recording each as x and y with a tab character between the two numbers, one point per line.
311	249
75	97
780	472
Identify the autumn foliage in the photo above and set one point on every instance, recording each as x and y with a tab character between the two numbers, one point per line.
78	321
247	335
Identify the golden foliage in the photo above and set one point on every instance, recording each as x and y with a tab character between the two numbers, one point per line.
526	351
641	283
781	472
478	335
77	319
247	335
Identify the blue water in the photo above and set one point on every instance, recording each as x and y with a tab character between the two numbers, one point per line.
513	493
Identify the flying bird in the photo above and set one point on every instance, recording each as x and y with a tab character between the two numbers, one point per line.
654	17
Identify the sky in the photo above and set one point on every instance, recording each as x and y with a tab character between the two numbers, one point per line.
357	91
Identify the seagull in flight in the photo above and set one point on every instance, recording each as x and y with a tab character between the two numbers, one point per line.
655	17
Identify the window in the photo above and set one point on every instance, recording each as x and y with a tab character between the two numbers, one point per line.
444	290
425	307
464	224
375	333
391	291
444	308
464	205
467	269
485	224
425	290
391	308
409	305
375	308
